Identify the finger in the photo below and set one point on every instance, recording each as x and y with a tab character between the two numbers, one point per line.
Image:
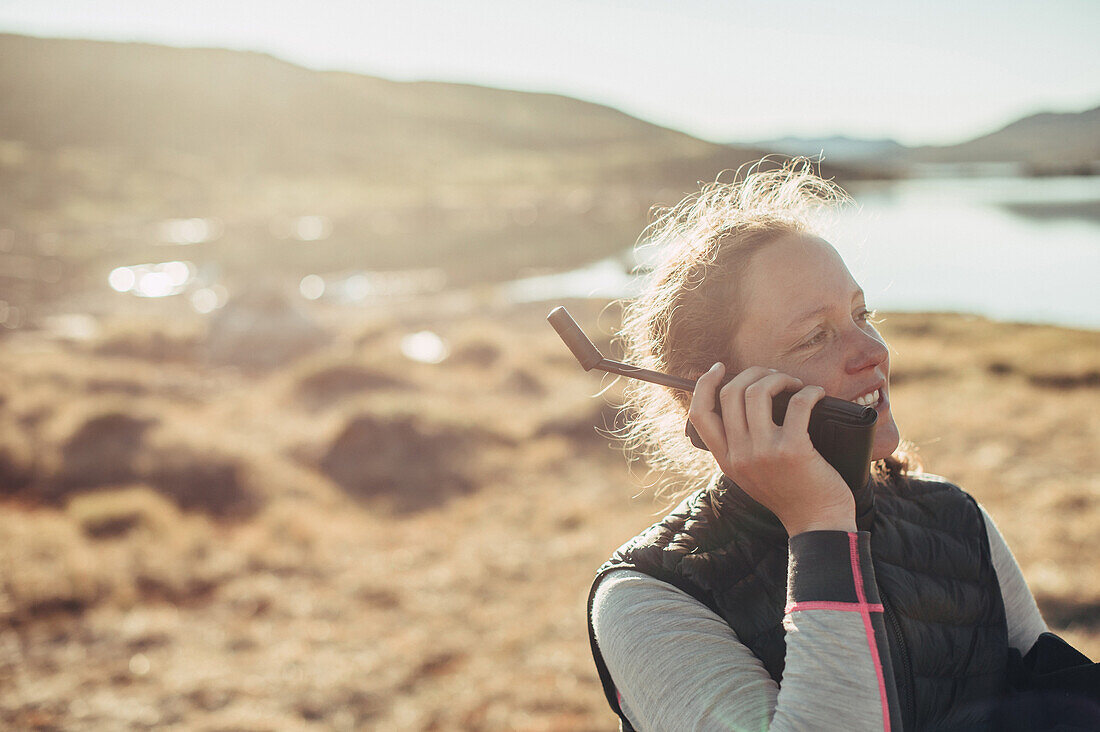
708	423
732	396
758	402
800	407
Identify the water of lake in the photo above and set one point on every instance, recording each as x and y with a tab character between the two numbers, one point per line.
1019	249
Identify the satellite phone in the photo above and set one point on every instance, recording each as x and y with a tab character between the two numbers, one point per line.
841	431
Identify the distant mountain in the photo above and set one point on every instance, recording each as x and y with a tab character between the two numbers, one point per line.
266	115
103	145
836	149
1049	141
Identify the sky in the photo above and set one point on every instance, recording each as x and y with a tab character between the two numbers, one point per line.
930	72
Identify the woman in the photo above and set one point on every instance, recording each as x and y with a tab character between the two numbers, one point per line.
774	596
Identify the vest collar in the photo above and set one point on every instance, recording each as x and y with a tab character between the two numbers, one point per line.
730	501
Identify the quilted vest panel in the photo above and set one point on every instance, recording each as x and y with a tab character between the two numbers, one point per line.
944	611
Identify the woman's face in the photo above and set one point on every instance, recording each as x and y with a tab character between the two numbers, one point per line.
804	315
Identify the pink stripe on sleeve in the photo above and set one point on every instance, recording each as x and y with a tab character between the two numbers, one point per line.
865	611
852	607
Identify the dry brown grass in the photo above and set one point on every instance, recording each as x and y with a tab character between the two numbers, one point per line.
359	541
159	340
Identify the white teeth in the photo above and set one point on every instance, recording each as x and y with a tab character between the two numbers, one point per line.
868	400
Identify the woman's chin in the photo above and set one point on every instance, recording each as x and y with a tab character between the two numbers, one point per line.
887	439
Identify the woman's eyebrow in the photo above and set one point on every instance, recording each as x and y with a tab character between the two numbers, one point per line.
857	294
808	316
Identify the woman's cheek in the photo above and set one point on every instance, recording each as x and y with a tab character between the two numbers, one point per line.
821	369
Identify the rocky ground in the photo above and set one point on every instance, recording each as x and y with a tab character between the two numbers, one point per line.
340	537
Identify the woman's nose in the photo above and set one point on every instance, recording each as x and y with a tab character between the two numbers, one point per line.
868	350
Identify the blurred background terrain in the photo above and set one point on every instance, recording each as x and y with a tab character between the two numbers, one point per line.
285	442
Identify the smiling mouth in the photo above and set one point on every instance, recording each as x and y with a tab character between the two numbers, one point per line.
871	399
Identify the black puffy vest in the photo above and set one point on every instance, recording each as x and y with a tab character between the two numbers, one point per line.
944	612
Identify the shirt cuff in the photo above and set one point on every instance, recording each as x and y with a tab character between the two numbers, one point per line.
831	567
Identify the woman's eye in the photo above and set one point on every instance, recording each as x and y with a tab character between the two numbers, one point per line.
868	316
816	338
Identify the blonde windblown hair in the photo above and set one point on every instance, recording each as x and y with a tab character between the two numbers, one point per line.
685	318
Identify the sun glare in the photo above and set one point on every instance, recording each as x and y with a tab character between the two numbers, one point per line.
425	347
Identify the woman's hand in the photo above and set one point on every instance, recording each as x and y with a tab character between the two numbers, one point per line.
776	465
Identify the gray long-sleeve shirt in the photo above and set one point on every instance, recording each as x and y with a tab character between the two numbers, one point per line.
678	666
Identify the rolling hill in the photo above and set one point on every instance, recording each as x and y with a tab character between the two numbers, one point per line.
1049	141
252	109
101	142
